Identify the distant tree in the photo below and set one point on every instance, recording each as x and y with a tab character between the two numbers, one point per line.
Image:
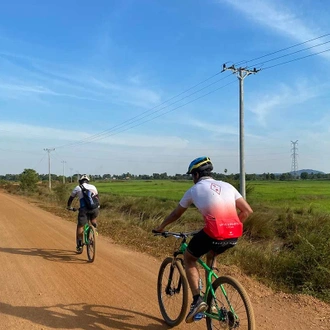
286	176
29	179
250	177
304	175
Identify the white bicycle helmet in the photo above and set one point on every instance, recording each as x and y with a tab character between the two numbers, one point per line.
84	177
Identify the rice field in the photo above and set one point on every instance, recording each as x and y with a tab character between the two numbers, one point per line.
283	194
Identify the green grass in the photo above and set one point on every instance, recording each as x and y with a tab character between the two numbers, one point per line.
162	189
292	194
276	194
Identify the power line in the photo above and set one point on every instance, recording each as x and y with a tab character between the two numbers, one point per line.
296	52
141	116
283	49
296	59
147	113
93	138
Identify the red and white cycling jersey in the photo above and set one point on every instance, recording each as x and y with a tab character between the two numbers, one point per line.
216	201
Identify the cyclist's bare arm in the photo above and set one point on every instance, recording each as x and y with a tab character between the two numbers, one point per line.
175	215
244	209
69	202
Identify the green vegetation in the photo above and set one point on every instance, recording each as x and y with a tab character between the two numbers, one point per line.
28	180
286	241
306	194
162	189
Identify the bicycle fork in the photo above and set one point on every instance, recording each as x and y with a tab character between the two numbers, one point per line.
171	289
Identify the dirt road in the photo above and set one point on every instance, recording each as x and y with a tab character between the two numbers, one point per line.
45	285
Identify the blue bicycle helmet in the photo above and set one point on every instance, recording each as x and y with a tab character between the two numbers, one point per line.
200	164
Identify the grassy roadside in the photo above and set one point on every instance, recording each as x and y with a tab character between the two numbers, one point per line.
284	247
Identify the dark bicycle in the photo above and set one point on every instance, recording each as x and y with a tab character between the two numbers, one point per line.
89	238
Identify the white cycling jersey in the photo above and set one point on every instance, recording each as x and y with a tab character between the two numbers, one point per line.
216	201
78	192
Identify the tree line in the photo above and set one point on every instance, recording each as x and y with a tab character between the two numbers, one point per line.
27	174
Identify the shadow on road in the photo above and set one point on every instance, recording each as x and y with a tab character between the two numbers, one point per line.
48	254
83	316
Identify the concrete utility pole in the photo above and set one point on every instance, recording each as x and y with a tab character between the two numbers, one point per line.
241	74
49	175
63	162
294	166
71	169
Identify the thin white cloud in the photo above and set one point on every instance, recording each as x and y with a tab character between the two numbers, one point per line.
129	94
84	84
278	16
281	97
22	89
217	129
58	137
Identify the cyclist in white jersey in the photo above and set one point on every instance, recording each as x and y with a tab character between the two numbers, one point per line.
218	203
84	213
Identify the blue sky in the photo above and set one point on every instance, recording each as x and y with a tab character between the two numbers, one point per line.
140	81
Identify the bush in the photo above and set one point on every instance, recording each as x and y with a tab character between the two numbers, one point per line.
28	180
62	193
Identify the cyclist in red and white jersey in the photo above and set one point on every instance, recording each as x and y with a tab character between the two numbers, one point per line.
218	203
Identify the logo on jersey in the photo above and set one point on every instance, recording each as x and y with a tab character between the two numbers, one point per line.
216	188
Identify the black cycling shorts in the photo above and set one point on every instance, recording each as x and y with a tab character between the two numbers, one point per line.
84	215
202	243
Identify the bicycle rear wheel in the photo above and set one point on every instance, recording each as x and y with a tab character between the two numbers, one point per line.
230	307
172	291
91	244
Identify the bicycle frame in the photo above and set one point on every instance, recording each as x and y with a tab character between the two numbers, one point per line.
211	276
85	233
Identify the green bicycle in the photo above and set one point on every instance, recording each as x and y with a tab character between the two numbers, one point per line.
89	238
229	306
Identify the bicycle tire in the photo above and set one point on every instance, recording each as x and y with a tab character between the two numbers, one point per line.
173	300
91	244
240	302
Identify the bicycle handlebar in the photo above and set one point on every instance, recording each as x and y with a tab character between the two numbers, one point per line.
73	209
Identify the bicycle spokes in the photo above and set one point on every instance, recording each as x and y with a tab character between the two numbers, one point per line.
229	306
91	244
172	291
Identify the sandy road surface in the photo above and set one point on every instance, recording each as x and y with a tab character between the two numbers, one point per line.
45	285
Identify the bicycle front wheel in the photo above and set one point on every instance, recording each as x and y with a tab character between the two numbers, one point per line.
230	307
172	291
91	244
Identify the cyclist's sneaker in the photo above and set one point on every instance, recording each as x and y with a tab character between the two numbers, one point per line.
79	249
198	316
195	308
